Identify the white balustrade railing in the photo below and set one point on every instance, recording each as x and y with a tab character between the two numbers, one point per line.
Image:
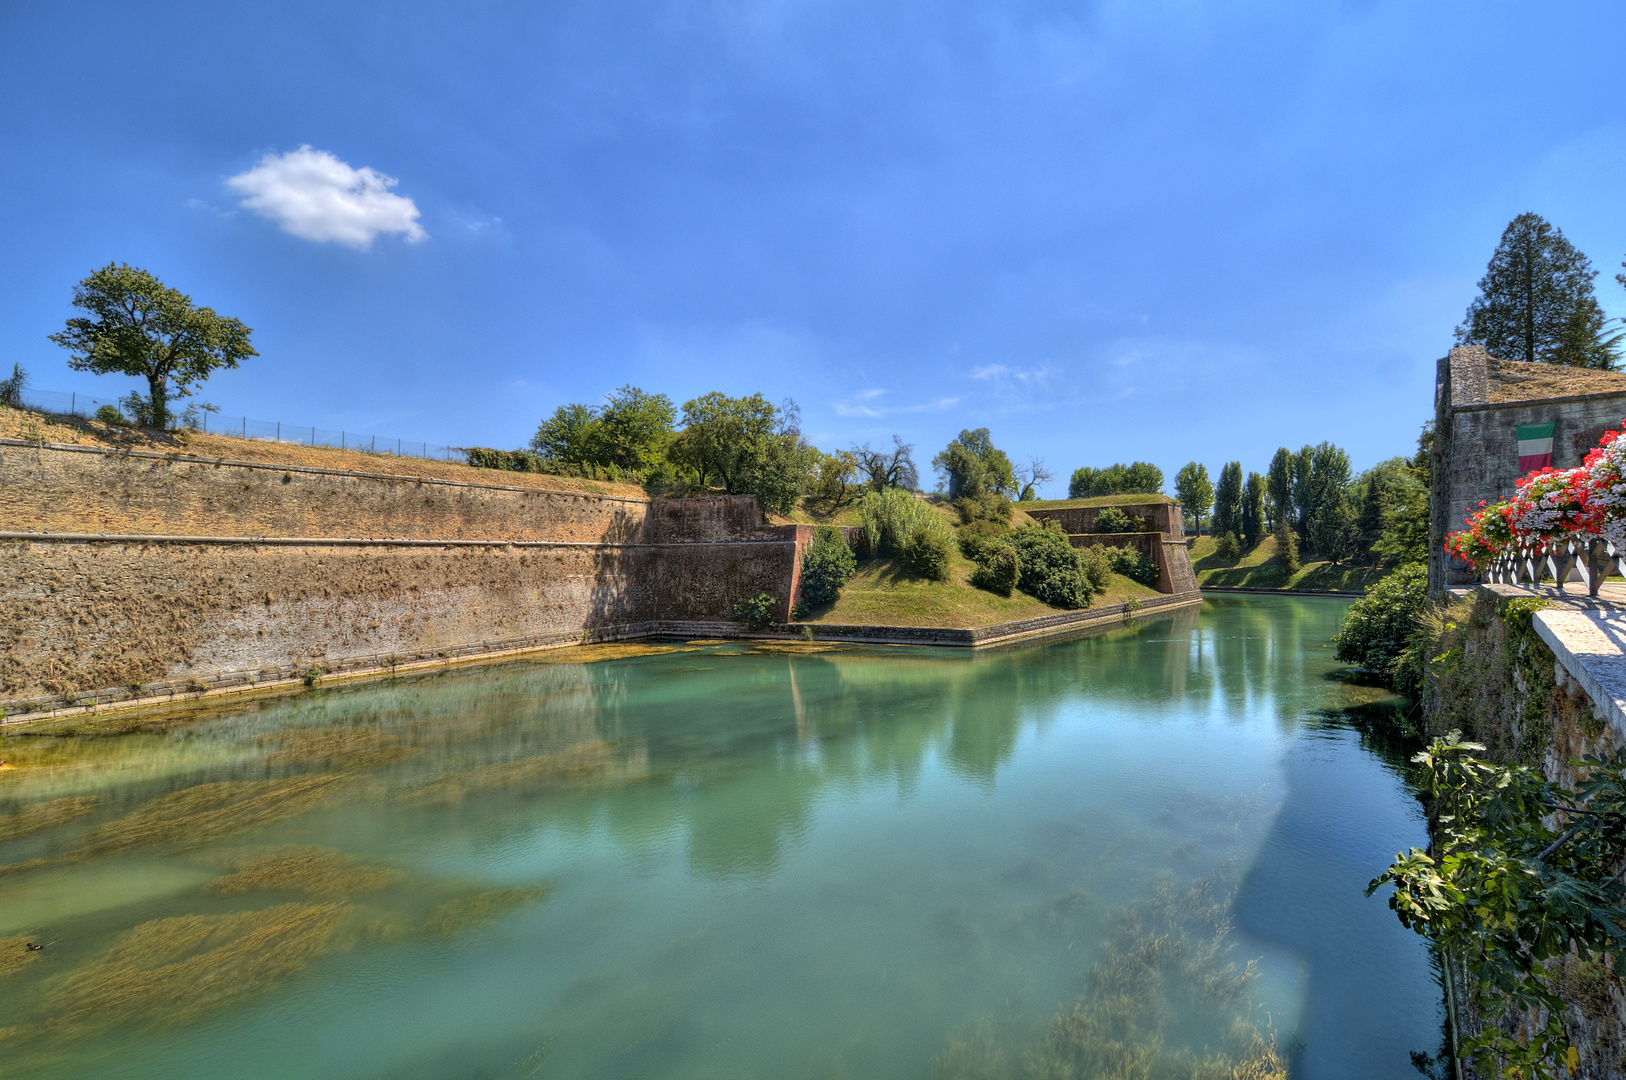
1589	561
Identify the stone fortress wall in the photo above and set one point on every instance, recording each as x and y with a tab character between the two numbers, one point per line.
1164	544
1479	402
127	573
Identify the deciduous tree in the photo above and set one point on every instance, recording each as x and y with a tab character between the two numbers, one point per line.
1194	490
139	326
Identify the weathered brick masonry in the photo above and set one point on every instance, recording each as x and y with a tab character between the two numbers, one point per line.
1165	544
416	567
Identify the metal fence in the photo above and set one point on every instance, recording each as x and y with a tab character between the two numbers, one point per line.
194	418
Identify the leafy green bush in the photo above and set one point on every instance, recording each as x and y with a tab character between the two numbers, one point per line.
1115	519
997	569
1050	566
1377	626
927	552
984	506
975	537
758	612
110	415
1133	565
1096	565
1227	547
1287	549
827	565
484	457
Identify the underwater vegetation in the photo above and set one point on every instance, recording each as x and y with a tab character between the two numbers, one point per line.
315	872
45	815
1165	1002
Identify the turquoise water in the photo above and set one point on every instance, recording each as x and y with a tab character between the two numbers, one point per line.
717	860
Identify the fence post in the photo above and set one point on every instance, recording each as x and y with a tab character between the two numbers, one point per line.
341	439
73	404
313	434
279	430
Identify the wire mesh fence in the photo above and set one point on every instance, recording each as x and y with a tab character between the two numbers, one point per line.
210	422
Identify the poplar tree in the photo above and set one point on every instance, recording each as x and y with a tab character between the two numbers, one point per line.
1228	499
1253	509
1279	488
1536	302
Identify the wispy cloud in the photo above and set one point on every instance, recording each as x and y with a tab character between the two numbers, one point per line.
867	403
315	196
1038	377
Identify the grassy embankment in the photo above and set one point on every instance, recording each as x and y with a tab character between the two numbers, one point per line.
41	427
882	593
1260	568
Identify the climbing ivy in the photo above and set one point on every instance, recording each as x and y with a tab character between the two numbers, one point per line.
1504	893
1530	665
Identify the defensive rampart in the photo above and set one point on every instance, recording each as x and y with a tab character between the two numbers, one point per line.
130	574
1539	678
1165	545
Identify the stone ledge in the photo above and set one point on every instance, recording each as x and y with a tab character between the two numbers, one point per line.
1588	637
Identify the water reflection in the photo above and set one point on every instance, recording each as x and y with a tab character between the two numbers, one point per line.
856	850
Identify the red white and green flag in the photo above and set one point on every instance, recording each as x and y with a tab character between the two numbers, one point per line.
1535	446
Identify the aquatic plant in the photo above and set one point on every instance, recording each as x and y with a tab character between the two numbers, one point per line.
319	873
208	813
44	815
1166	971
178	969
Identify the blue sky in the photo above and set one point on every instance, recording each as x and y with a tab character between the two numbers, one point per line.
1105	231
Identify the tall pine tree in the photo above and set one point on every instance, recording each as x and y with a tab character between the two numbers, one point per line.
1536	302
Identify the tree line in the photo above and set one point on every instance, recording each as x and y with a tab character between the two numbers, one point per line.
1309	496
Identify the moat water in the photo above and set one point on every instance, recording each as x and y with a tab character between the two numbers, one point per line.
1144	847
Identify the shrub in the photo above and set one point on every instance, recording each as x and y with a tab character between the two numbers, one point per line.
927	552
757	612
826	566
1113	519
893	516
997	569
1133	565
1096	564
1050	569
484	457
109	414
1287	549
978	536
1377	626
984	506
1227	547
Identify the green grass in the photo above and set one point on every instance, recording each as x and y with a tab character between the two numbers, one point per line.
883	594
1099	500
1260	568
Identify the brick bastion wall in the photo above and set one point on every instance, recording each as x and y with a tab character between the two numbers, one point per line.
1164	543
210	573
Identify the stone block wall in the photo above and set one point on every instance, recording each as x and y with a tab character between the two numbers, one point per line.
93	490
210	570
1476	443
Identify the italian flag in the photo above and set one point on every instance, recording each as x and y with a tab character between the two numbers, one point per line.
1535	447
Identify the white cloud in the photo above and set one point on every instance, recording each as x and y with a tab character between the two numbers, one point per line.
314	195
